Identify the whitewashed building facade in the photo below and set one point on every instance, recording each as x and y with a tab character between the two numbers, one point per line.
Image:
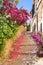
37	16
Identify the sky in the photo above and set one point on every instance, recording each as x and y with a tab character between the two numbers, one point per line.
27	4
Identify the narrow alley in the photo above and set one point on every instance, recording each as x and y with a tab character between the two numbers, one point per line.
26	53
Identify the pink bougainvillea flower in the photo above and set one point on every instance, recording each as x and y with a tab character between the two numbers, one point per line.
16	47
19	15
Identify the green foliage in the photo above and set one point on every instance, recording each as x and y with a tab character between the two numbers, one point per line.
7	29
0	1
2	43
15	1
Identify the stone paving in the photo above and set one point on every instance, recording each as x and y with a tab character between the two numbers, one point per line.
27	53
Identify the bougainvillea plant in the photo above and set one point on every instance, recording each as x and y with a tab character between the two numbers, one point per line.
19	15
38	39
9	13
8	28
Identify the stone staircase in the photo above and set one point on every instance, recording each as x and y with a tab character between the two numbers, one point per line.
26	53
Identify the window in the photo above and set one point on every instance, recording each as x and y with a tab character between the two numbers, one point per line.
38	0
41	27
33	10
34	27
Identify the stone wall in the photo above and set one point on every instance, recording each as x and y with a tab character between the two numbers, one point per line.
11	41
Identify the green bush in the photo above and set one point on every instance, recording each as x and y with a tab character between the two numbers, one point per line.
7	29
2	43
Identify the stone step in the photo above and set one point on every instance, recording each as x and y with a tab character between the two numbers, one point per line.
26	52
25	48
